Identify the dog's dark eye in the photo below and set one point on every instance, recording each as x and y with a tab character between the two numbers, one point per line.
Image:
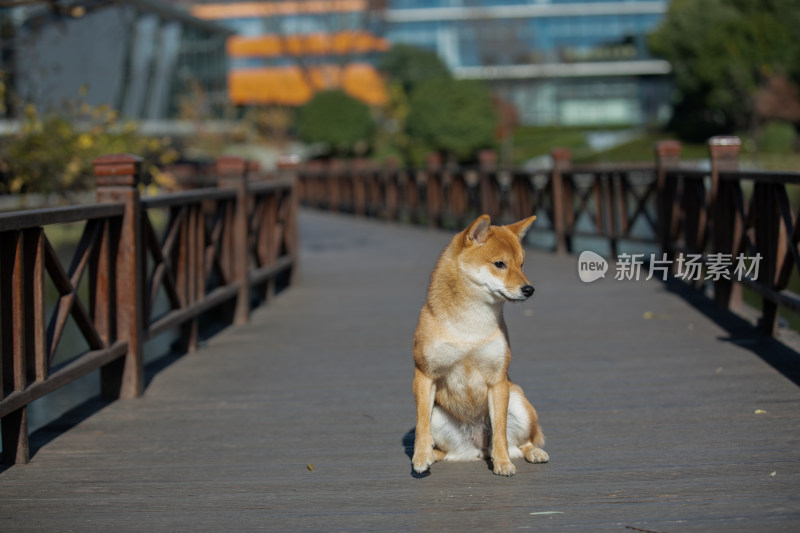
499	264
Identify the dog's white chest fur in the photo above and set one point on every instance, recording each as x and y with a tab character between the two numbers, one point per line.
462	348
450	351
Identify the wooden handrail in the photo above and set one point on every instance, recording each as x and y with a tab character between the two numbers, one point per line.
668	206
229	243
32	218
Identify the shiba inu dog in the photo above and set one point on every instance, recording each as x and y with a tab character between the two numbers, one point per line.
466	407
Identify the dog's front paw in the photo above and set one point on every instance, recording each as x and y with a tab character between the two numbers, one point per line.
422	461
504	468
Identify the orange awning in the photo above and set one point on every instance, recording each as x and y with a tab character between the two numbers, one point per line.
345	42
290	86
237	10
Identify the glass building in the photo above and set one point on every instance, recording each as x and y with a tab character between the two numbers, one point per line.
565	62
141	57
558	62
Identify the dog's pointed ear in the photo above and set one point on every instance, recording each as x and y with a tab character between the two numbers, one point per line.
478	231
521	227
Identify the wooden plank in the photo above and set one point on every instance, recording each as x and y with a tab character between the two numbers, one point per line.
651	422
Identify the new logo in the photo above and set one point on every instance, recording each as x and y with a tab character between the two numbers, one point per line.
591	267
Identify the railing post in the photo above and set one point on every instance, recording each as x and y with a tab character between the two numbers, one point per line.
562	160
668	157
290	170
358	177
521	206
489	185
232	173
727	226
253	170
335	190
118	178
770	240
390	188
434	188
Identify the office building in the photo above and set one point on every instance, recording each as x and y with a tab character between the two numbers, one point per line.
146	59
559	62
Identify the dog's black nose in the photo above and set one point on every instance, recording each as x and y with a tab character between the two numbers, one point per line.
527	290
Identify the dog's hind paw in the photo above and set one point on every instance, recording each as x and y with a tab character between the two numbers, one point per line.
536	455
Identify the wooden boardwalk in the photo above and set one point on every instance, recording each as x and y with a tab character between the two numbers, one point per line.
648	399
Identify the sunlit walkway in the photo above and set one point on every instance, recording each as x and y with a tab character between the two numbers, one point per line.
660	415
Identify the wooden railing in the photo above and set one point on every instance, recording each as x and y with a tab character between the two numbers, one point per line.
223	245
666	207
730	212
562	196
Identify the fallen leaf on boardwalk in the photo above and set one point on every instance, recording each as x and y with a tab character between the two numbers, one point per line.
648	315
310	467
546	512
773	474
640	529
759	412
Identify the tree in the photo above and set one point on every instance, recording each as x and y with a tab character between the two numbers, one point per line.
453	116
722	52
338	120
410	65
403	67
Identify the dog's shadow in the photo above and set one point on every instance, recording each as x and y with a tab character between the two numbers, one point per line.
408	447
408	443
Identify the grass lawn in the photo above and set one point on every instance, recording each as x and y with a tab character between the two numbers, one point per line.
531	142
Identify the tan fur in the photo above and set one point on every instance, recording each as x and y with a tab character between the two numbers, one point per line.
466	406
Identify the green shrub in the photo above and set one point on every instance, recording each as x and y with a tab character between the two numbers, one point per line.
456	117
338	120
410	65
54	152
